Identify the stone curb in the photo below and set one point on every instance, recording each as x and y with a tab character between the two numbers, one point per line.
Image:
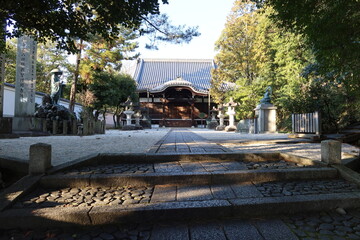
17	190
134	158
348	174
243	208
187	178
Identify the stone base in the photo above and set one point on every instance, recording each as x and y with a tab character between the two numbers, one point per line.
230	128
132	127
220	128
27	124
5	125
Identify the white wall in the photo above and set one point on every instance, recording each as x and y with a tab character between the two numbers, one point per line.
9	102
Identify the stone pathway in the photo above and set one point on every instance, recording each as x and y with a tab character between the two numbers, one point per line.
183	141
322	225
182	167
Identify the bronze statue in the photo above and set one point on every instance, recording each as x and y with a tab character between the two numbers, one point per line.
267	99
55	85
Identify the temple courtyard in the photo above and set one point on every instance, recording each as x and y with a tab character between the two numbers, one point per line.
180	183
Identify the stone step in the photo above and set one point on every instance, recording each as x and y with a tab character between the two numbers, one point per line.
176	210
187	178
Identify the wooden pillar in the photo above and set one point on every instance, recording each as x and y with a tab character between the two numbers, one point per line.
192	114
163	100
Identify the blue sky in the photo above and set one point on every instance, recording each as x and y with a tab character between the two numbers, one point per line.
209	15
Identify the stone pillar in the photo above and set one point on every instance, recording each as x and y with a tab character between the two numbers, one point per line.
25	84
266	117
74	128
44	125
85	127
331	152
65	127
40	158
55	127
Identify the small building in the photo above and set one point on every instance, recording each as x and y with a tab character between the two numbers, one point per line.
175	91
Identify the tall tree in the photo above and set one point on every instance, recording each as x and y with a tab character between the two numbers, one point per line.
254	53
62	21
332	27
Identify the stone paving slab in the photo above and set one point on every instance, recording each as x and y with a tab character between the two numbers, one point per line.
179	210
185	141
161	178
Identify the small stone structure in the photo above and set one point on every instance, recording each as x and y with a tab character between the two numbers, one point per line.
331	152
221	116
40	158
243	126
213	123
231	112
266	114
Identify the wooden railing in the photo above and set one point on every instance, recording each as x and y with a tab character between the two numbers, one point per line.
306	123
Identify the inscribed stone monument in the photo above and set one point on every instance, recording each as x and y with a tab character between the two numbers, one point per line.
25	85
25	77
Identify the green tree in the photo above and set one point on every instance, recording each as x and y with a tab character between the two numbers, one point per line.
255	53
109	90
332	27
62	21
48	58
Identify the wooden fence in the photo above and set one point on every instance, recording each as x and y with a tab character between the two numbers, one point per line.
306	123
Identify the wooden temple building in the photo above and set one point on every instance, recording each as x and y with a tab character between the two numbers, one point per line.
175	91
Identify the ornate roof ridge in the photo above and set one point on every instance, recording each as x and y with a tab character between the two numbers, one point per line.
176	60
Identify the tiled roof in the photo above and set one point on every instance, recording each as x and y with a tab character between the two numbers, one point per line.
152	73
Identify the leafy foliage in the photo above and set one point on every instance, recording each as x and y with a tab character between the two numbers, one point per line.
255	53
110	90
331	27
63	21
48	58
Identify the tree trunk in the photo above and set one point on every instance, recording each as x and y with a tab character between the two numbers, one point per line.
76	77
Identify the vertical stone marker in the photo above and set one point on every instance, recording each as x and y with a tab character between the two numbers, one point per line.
25	86
331	152
25	77
40	158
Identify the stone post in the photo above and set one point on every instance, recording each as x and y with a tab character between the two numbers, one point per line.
40	158
331	152
54	127
44	125
65	127
74	128
85	127
25	84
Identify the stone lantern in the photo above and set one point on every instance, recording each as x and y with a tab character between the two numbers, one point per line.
221	116
231	112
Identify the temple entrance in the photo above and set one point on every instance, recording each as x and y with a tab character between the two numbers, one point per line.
177	109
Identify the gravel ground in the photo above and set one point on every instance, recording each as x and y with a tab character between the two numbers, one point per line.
237	142
68	148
